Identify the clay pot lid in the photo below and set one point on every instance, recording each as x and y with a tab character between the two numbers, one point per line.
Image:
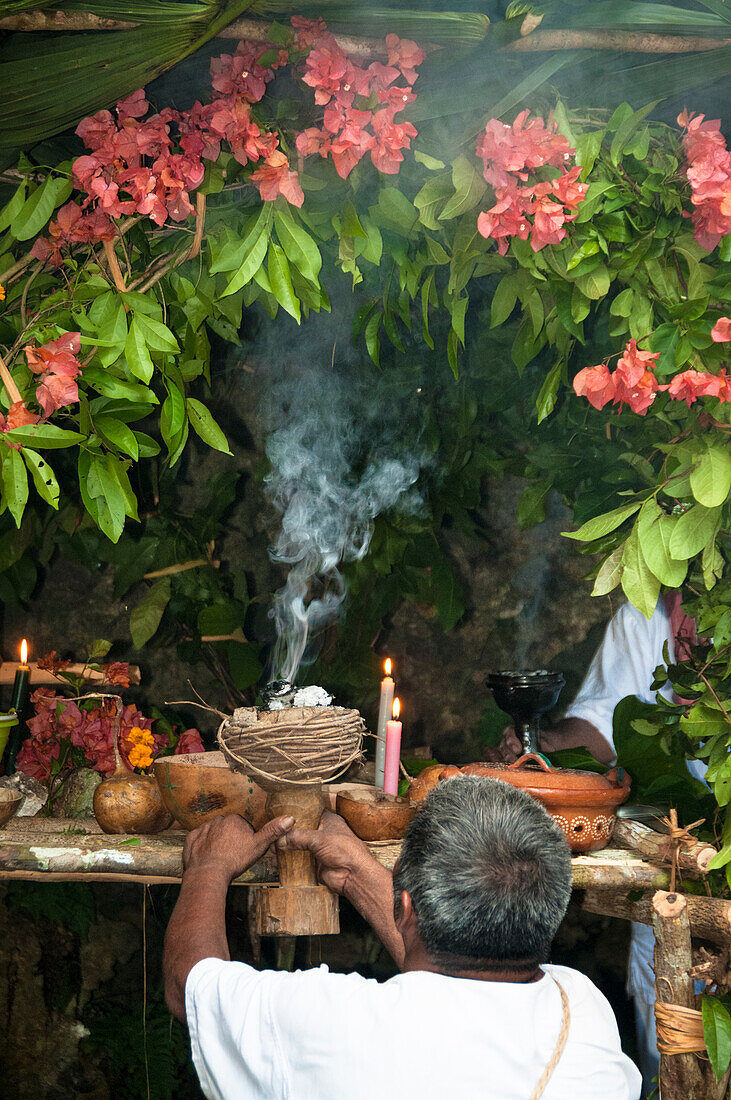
544	777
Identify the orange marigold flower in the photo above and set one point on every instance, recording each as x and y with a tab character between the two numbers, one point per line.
2	293
140	756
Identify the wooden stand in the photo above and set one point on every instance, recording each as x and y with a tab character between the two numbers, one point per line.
299	906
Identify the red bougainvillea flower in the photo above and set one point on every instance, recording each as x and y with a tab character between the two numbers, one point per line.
568	190
709	175
404	55
117	672
134	106
189	741
313	140
241	74
18	416
721	331
330	73
595	384
275	178
51	662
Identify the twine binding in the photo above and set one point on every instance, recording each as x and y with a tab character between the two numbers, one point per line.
679	1029
297	746
560	1044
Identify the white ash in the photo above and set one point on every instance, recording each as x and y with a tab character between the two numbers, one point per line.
312	696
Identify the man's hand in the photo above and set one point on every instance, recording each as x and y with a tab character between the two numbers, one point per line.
339	854
230	845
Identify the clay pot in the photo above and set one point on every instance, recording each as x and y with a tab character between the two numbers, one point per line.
424	782
196	786
9	804
373	815
582	803
127	802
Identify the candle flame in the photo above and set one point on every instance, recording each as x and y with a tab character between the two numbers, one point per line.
396	707
23	652
387	666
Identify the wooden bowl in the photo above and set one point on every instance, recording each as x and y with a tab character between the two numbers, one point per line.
196	786
373	815
10	802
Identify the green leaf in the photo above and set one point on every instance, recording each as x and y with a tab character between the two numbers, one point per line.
281	281
147	615
13	208
109	500
602	525
206	427
695	529
532	504
429	162
503	300
173	420
253	257
655	529
43	436
155	334
14	483
546	399
640	585
430	200
469	187
394	211
717	1034
298	245
710	479
426	293
39	207
110	386
136	353
43	477
610	573
596	283
373	344
626	129
118	434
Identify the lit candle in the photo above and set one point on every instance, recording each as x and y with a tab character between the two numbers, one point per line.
18	699
393	751
384	711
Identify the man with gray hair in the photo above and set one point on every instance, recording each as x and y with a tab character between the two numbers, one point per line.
468	915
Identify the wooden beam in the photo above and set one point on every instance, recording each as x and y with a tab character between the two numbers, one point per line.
41	676
693	856
710	918
369	48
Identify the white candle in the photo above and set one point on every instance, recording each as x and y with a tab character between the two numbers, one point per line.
384	713
393	751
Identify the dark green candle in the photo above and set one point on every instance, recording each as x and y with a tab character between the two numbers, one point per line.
18	700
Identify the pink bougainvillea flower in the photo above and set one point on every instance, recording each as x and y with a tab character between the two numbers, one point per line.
55	392
313	140
58	366
405	55
330	73
709	175
308	31
721	331
117	672
567	188
134	106
634	381
595	384
275	178
241	74
507	218
689	385
549	219
391	138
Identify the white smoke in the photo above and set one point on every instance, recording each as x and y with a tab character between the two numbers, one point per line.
337	462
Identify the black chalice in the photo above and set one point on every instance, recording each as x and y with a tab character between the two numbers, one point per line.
525	696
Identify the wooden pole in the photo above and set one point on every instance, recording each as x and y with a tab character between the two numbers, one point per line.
40	676
681	1076
709	918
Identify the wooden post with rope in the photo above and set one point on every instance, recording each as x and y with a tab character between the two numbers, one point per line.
679	1023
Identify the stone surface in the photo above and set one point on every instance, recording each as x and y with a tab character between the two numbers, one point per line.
77	794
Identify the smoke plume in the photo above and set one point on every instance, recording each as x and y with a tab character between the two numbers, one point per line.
337	461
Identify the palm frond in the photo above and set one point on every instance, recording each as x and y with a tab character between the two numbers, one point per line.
57	79
660	18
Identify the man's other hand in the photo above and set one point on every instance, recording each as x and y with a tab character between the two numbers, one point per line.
339	854
508	749
229	844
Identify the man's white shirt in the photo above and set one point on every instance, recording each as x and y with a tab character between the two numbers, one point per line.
313	1035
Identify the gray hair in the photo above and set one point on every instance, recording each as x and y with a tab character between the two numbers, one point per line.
488	871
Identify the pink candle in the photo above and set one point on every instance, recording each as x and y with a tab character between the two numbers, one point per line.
393	752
